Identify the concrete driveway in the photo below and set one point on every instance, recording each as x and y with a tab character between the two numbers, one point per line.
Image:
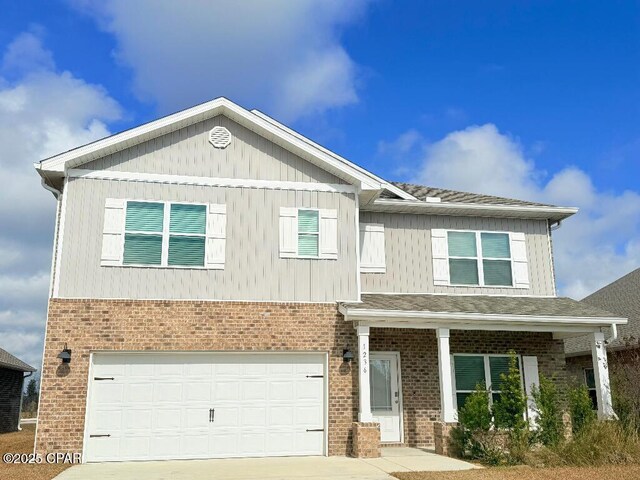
396	459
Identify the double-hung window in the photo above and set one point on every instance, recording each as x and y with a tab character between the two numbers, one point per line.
308	233
479	258
165	234
473	370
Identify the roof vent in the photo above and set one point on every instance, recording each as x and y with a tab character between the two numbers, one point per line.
433	199
219	137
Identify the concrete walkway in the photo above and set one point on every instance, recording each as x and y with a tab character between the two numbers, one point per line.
395	459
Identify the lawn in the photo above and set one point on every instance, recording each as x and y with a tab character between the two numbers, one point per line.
618	472
22	442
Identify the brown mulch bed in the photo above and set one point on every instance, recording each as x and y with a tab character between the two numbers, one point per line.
613	472
22	442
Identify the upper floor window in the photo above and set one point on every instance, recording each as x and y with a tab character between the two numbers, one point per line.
153	239
308	233
479	258
163	234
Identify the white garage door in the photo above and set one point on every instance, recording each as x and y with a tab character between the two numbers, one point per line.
154	406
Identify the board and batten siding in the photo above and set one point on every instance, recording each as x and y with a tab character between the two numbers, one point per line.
253	268
188	152
409	265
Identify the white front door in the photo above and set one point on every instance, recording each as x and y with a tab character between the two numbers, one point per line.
385	395
160	406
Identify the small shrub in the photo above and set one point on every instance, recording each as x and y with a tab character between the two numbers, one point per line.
550	430
509	407
581	409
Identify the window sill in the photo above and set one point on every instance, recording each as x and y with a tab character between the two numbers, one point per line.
165	267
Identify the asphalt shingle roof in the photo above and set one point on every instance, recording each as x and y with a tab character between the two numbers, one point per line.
482	304
14	363
421	192
621	297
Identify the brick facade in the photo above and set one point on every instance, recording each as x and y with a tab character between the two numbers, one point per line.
127	325
366	440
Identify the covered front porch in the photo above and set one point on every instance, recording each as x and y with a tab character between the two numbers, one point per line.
419	356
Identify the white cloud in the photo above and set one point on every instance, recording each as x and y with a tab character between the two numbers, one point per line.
593	248
284	55
43	111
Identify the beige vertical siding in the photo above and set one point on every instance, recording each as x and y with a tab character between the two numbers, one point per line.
188	152
408	252
253	268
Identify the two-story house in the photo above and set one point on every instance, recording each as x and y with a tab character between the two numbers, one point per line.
224	287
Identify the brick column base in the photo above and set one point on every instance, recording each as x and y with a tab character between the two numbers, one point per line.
366	440
441	433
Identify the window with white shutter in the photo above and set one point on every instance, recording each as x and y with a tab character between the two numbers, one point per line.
308	233
163	234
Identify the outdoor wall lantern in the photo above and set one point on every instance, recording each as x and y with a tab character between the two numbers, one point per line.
65	354
347	355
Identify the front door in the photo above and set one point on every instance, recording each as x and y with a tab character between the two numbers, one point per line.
385	395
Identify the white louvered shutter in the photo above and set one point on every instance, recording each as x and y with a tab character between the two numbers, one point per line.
372	254
216	236
288	232
531	382
439	253
113	232
519	257
328	247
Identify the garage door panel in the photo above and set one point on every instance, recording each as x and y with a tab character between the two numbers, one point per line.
167	392
157	406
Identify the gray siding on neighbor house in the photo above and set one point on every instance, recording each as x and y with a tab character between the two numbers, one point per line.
409	267
253	269
188	152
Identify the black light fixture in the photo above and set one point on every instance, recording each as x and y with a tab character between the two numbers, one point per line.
65	354
347	355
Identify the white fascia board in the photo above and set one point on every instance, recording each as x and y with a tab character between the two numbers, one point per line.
480	318
381	181
443	208
295	142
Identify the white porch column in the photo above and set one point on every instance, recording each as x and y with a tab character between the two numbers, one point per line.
364	414
447	412
601	374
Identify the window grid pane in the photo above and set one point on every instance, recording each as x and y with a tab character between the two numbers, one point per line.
308	245
469	371
188	219
307	221
497	366
186	251
462	244
144	217
141	249
463	271
495	245
497	272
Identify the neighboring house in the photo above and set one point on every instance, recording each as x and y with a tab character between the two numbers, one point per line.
12	371
621	297
215	274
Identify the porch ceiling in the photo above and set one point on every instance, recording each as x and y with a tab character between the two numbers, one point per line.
562	316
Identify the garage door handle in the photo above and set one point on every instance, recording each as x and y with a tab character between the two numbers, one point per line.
103	378
212	414
94	436
315	376
315	429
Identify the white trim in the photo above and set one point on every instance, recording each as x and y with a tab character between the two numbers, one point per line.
364	381
54	247
209	181
170	123
474	209
474	294
63	214
445	367
553	268
601	377
165	299
85	434
482	317
358	266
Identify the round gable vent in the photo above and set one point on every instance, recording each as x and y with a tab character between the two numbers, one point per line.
219	137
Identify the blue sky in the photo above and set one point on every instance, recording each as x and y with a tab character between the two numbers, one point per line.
536	100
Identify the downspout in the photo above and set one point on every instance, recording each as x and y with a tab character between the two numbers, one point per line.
614	334
21	398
